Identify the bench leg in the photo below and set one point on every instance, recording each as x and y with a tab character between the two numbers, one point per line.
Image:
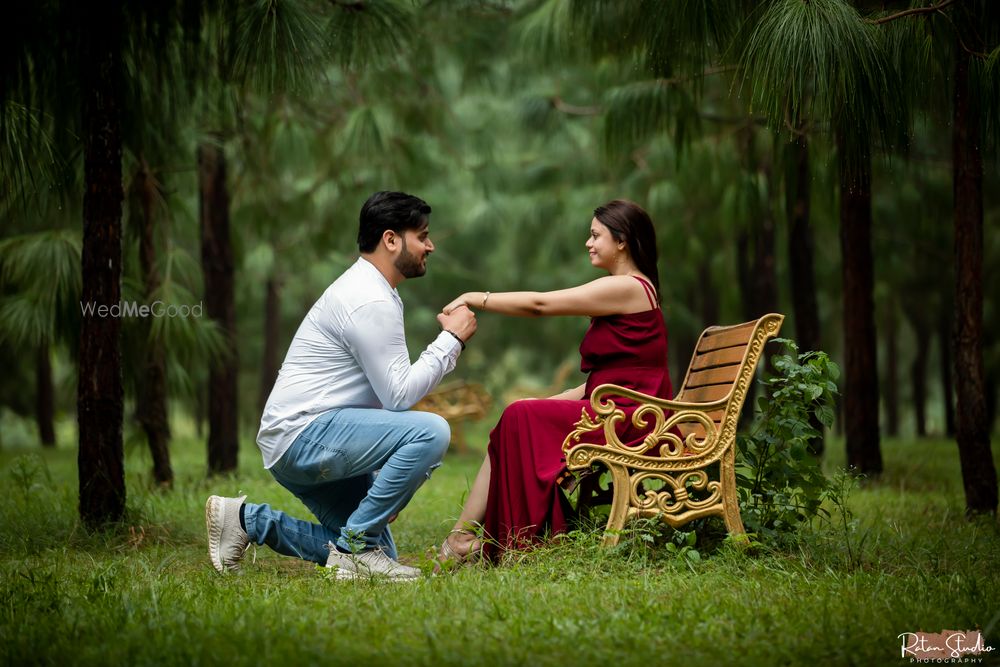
730	499
619	505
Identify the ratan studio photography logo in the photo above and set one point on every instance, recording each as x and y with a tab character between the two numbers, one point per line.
136	309
945	647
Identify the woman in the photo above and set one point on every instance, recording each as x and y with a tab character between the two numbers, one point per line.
515	497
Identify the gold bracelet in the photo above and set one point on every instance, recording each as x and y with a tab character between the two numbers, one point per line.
483	307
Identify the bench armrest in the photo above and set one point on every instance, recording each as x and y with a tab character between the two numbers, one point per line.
664	439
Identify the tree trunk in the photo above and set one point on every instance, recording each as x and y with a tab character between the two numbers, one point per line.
748	296
683	339
199	411
745	249
947	386
861	370
765	277
272	322
709	295
801	254
44	397
918	376
152	396
991	401
891	386
755	246
765	265
744	274
979	475
801	250
217	266
101	463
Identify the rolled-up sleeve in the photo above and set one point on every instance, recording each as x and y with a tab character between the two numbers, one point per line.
376	338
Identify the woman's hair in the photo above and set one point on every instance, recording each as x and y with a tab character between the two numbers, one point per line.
628	222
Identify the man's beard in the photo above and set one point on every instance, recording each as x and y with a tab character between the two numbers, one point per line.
408	264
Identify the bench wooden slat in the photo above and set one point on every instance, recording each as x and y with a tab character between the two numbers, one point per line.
712	392
718	375
728	337
723	357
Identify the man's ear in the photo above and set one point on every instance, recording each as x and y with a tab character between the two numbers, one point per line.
390	240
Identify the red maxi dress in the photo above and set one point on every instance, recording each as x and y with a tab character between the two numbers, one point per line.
525	447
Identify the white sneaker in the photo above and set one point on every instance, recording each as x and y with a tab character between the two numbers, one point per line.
227	541
369	564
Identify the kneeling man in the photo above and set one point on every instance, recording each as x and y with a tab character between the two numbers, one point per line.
337	430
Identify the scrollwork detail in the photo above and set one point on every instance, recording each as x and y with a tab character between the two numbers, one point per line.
676	497
584	425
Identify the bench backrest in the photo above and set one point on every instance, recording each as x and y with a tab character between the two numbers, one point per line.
723	366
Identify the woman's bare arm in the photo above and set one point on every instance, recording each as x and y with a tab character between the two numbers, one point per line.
610	295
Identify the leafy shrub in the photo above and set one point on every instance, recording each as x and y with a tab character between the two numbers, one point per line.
780	484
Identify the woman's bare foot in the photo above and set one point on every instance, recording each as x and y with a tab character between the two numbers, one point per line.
460	547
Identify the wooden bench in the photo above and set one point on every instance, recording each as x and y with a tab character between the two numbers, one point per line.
457	402
672	473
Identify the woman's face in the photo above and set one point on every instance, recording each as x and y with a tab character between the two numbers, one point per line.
603	248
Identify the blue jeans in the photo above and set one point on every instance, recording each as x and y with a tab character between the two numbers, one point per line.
331	467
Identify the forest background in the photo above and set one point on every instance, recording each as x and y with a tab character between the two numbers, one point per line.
251	133
834	161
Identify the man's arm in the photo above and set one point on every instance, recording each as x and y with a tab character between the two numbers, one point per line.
377	340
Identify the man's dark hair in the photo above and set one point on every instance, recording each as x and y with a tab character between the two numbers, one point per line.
397	211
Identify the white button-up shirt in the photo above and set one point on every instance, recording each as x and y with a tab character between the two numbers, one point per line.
350	352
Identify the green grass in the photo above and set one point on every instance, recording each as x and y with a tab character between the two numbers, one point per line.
146	594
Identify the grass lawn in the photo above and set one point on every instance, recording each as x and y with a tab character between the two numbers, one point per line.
147	594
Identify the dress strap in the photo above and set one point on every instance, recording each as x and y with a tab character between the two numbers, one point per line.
650	292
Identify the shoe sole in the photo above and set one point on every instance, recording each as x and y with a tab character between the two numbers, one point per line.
347	575
214	539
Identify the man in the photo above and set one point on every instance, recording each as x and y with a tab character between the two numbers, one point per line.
337	431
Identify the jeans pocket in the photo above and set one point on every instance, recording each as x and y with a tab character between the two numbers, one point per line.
312	463
327	466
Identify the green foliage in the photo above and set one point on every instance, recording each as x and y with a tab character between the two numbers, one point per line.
39	287
547	31
34	505
682	39
842	520
821	62
27	155
275	45
638	111
371	32
780	484
652	534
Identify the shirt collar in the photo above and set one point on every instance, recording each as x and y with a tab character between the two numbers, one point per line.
369	268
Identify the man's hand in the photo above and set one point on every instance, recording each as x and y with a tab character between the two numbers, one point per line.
461	321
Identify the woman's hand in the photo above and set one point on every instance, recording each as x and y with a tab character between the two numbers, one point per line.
457	303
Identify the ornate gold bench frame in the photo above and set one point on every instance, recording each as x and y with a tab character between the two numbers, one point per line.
679	448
